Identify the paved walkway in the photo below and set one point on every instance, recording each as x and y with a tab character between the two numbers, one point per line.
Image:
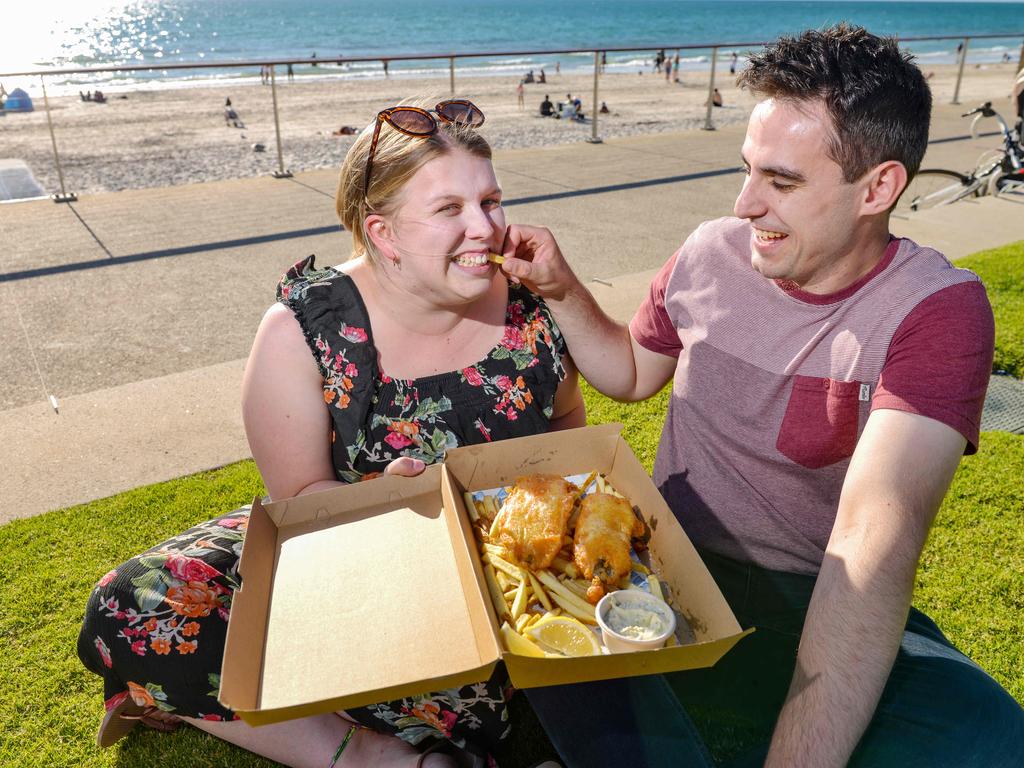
135	310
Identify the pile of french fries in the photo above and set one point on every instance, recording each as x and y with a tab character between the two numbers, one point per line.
522	597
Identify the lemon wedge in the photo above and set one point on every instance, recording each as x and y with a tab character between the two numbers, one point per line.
564	635
519	644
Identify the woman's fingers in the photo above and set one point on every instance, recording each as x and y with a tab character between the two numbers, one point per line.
405	467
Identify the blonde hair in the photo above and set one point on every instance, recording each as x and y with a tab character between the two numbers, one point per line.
396	160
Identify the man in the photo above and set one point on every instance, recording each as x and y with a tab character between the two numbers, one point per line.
827	379
547	109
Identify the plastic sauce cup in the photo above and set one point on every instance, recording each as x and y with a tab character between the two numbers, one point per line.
634	604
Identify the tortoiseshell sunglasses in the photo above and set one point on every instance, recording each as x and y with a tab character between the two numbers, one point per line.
413	121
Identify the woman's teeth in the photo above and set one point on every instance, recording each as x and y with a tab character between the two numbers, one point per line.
470	259
766	234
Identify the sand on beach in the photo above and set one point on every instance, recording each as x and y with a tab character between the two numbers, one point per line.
166	137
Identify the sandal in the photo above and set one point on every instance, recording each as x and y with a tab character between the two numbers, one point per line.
122	718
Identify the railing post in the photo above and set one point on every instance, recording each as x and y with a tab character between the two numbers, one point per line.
64	196
960	71
451	75
708	125
594	138
280	173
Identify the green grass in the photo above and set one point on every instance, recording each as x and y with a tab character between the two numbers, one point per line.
971	579
1002	270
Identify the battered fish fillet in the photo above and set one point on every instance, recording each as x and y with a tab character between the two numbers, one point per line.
531	524
601	543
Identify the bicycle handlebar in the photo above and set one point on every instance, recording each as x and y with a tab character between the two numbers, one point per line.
985	110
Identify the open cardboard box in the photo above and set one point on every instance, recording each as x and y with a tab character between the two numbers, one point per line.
375	591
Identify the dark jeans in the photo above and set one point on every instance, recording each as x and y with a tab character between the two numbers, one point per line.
938	708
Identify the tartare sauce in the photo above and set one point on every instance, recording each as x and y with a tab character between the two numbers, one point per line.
634	622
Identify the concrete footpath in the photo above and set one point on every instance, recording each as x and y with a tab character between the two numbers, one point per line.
134	311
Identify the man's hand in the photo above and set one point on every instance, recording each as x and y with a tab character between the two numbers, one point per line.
533	257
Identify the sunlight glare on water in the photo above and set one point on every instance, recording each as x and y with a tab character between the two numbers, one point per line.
70	33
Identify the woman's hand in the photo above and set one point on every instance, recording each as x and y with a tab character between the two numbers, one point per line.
405	467
533	257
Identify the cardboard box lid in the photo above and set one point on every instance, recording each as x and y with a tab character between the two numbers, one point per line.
350	597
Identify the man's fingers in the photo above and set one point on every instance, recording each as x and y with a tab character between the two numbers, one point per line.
405	467
516	267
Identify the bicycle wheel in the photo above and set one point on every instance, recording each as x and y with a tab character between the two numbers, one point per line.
935	186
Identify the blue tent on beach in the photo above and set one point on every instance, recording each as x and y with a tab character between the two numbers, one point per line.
18	101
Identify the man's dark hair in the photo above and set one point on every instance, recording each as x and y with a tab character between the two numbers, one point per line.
877	98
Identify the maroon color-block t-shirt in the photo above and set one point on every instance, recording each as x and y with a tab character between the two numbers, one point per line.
773	385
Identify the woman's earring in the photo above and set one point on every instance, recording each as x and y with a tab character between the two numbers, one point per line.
397	262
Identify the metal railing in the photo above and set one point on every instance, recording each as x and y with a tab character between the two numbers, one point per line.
282	172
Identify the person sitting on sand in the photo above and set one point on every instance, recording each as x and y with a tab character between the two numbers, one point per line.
231	117
99	97
547	109
542	78
716	99
604	109
481	349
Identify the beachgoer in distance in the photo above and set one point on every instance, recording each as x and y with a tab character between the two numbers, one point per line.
547	109
604	108
385	63
521	95
732	63
484	351
668	70
675	68
529	77
542	78
604	61
558	67
231	117
291	73
716	98
828	379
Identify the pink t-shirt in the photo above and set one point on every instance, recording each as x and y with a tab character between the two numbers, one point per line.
773	385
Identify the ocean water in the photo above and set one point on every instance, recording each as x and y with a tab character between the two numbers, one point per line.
101	33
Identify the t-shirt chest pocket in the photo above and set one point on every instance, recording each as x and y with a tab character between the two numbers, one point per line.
821	421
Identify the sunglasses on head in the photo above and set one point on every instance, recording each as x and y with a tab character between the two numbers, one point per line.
413	121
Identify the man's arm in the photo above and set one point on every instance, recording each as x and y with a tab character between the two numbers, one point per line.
603	350
896	481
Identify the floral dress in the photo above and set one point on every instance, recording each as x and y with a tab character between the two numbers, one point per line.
155	626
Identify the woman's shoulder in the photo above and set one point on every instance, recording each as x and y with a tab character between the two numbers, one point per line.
303	274
325	302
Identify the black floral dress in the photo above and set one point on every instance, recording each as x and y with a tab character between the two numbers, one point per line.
155	626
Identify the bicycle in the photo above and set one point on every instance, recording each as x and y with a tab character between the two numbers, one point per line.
998	171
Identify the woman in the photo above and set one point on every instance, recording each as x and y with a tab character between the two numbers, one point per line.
415	345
